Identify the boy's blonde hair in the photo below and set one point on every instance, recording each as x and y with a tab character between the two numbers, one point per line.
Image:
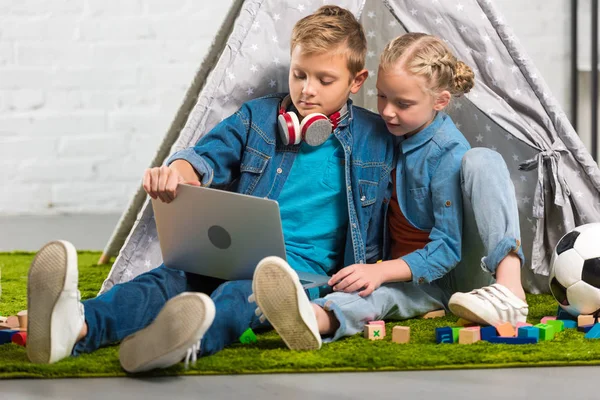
429	57
326	30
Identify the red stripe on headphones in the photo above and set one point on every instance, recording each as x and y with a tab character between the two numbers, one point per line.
310	122
290	128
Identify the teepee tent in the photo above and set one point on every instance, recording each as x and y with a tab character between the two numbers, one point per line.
509	110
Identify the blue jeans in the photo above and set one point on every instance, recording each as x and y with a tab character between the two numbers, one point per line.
131	306
491	231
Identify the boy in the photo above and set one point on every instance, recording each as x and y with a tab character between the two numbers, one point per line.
331	198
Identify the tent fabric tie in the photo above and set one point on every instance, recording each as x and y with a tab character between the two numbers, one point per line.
558	182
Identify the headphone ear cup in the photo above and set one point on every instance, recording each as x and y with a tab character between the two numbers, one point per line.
289	128
316	129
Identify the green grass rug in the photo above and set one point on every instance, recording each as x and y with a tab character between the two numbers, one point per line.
270	355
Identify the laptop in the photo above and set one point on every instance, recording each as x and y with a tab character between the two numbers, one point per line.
221	234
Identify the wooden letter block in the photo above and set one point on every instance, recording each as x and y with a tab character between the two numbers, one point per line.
401	334
435	314
444	335
469	335
583	320
22	317
506	330
374	332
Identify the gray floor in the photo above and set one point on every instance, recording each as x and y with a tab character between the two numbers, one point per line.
92	232
86	231
531	383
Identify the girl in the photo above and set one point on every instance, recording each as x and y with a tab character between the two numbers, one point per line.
435	172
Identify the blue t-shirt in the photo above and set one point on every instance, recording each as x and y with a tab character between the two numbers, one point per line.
314	209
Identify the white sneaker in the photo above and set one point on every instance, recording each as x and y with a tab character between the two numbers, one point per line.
174	334
282	300
55	312
490	305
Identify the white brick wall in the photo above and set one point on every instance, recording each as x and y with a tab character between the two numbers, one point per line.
89	87
87	90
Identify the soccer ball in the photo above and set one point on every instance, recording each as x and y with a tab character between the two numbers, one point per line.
575	270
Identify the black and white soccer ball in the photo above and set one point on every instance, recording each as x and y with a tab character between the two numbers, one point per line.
575	270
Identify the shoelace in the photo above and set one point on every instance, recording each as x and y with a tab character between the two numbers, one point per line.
192	353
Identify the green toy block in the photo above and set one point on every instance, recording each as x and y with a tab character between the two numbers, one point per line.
455	333
557	324
248	337
546	331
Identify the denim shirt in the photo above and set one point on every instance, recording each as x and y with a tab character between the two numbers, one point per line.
430	196
244	153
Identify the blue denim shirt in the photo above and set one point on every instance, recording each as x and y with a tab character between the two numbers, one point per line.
244	153
430	196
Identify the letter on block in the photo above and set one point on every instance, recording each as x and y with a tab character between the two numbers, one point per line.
444	335
401	334
374	332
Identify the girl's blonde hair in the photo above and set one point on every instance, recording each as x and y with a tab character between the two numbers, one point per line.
429	57
332	28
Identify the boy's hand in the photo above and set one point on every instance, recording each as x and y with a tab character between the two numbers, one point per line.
161	182
357	276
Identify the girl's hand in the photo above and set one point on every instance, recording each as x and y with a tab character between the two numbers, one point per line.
161	182
357	276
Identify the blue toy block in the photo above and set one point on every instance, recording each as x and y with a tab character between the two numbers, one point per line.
569	324
488	332
444	335
6	335
529	332
564	315
513	340
585	328
593	333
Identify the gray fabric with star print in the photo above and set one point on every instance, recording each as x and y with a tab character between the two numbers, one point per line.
510	110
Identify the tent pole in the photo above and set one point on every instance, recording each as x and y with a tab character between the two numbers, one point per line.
574	66
594	68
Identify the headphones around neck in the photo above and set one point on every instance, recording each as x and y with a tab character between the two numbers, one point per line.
314	129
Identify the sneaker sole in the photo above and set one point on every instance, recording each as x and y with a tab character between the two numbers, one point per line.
165	341
46	278
463	311
275	289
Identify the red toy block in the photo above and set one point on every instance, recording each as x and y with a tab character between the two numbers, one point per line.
19	338
380	322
